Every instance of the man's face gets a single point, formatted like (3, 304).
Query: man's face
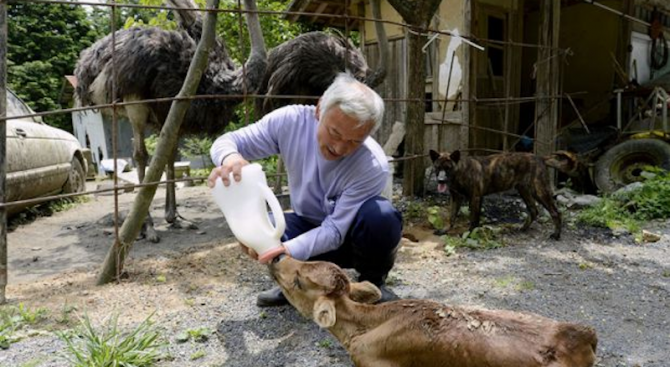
(338, 134)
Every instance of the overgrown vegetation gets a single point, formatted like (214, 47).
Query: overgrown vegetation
(109, 346)
(15, 322)
(628, 209)
(480, 238)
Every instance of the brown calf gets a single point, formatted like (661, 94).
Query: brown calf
(423, 333)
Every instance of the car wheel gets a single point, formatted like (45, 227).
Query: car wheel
(624, 163)
(76, 181)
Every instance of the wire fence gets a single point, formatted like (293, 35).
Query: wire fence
(507, 101)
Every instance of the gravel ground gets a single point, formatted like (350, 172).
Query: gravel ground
(200, 279)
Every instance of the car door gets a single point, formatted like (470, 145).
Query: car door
(35, 165)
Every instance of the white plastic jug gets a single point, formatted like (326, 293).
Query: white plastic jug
(243, 205)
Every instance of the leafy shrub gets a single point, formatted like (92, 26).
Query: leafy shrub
(629, 209)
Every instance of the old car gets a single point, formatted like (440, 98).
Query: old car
(41, 160)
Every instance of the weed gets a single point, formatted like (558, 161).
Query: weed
(666, 273)
(325, 343)
(14, 321)
(525, 286)
(111, 347)
(504, 282)
(414, 212)
(263, 315)
(199, 335)
(435, 217)
(198, 354)
(585, 266)
(481, 238)
(161, 278)
(632, 208)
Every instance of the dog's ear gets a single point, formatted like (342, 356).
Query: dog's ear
(364, 292)
(455, 156)
(324, 312)
(434, 155)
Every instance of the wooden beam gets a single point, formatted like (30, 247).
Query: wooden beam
(546, 106)
(319, 10)
(301, 9)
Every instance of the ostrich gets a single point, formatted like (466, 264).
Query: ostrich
(152, 63)
(308, 64)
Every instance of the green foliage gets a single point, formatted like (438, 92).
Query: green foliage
(89, 347)
(628, 210)
(325, 344)
(198, 354)
(435, 217)
(43, 45)
(15, 319)
(481, 238)
(151, 142)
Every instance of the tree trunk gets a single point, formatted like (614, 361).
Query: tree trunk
(113, 264)
(418, 14)
(414, 170)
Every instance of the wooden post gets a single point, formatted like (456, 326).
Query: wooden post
(547, 77)
(3, 149)
(467, 78)
(116, 255)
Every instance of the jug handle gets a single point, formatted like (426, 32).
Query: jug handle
(277, 212)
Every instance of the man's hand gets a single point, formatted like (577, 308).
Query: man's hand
(267, 257)
(233, 163)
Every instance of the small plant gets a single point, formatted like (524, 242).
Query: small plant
(505, 282)
(109, 346)
(263, 315)
(435, 217)
(199, 335)
(666, 273)
(525, 286)
(481, 238)
(14, 321)
(632, 208)
(585, 266)
(325, 343)
(161, 278)
(198, 354)
(414, 212)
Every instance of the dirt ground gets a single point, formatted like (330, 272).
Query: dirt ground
(198, 278)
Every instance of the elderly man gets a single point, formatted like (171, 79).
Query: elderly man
(336, 173)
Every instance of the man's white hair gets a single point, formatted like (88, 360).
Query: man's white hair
(354, 99)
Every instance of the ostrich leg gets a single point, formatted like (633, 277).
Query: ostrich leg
(171, 214)
(138, 114)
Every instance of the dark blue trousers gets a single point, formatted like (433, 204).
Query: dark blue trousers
(371, 244)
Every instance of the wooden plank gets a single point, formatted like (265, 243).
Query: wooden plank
(546, 108)
(464, 133)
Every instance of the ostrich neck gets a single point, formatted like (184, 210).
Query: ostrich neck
(255, 32)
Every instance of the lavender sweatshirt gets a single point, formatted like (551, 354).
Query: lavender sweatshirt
(325, 193)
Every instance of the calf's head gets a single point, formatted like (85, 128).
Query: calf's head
(444, 165)
(314, 288)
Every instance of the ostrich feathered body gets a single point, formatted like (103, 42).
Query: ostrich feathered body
(153, 63)
(306, 66)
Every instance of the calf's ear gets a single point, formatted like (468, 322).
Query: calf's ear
(324, 312)
(434, 155)
(364, 292)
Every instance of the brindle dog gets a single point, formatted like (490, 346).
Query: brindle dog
(473, 177)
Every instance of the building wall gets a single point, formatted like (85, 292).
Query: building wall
(450, 18)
